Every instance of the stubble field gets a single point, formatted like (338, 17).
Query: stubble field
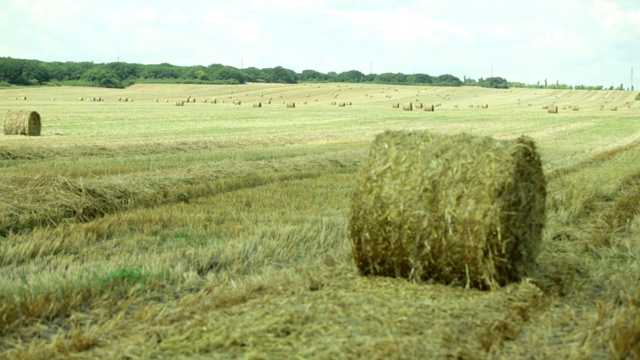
(146, 230)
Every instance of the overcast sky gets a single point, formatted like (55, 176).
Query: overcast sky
(590, 42)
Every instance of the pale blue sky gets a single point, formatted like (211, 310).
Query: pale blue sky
(591, 42)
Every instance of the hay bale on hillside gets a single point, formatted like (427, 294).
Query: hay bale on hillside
(575, 108)
(257, 104)
(552, 109)
(407, 106)
(395, 105)
(419, 105)
(453, 209)
(291, 104)
(180, 103)
(429, 108)
(342, 104)
(22, 122)
(614, 108)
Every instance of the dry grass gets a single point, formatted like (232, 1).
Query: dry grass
(146, 230)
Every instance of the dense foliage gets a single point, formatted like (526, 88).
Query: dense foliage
(121, 74)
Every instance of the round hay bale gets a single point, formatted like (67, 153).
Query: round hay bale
(257, 104)
(575, 108)
(179, 103)
(453, 209)
(552, 109)
(407, 106)
(342, 104)
(22, 122)
(395, 105)
(419, 105)
(333, 103)
(24, 98)
(429, 108)
(614, 108)
(80, 99)
(291, 104)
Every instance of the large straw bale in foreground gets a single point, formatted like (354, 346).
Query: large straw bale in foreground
(22, 122)
(454, 209)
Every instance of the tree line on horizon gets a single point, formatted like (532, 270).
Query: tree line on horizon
(121, 74)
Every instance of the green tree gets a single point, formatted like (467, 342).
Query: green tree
(103, 77)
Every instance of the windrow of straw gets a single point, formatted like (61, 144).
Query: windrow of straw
(453, 209)
(22, 122)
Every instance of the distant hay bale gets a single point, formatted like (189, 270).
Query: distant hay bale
(395, 105)
(342, 104)
(575, 108)
(119, 99)
(80, 99)
(291, 104)
(407, 106)
(419, 105)
(257, 104)
(180, 103)
(429, 108)
(484, 106)
(614, 108)
(22, 122)
(453, 209)
(333, 103)
(552, 109)
(24, 98)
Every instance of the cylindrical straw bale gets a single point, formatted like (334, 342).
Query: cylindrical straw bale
(407, 106)
(291, 104)
(575, 108)
(429, 108)
(22, 122)
(257, 104)
(453, 209)
(342, 104)
(419, 105)
(552, 109)
(614, 108)
(395, 105)
(180, 103)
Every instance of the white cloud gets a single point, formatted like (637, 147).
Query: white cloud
(176, 18)
(146, 15)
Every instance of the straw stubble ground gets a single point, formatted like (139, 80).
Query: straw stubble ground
(146, 230)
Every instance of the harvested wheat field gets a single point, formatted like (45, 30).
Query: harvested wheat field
(145, 230)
